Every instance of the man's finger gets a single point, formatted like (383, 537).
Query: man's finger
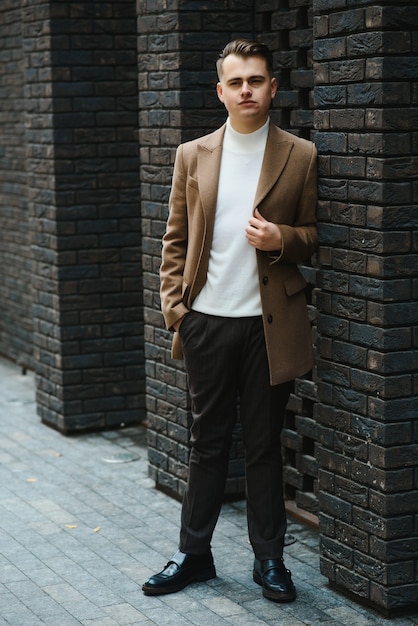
(258, 215)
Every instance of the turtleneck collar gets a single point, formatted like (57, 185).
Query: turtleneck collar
(245, 142)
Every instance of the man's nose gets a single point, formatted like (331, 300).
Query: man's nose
(245, 87)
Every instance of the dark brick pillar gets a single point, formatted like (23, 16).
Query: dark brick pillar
(367, 105)
(81, 83)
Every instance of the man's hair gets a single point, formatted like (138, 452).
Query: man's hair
(246, 48)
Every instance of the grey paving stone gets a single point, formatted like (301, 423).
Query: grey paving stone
(82, 610)
(124, 614)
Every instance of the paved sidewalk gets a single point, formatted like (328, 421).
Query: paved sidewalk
(82, 526)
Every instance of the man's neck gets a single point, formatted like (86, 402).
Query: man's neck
(246, 129)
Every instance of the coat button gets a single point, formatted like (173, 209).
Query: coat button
(270, 319)
(265, 280)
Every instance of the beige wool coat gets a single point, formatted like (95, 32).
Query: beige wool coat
(286, 195)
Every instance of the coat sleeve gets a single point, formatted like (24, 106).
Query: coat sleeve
(174, 247)
(300, 239)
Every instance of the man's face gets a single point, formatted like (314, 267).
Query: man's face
(246, 89)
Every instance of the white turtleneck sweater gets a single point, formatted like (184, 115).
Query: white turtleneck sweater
(232, 288)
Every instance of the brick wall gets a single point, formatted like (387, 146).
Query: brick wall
(366, 59)
(15, 238)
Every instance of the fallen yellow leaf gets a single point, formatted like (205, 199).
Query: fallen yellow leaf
(70, 525)
(96, 530)
(31, 480)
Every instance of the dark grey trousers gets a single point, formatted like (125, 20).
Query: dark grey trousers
(226, 361)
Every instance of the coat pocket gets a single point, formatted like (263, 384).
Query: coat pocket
(294, 284)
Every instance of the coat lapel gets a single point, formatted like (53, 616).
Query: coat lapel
(209, 152)
(278, 148)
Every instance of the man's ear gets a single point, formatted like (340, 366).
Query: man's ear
(274, 87)
(219, 91)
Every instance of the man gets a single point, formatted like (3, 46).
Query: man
(242, 215)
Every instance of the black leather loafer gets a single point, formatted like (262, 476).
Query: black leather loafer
(275, 579)
(179, 572)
